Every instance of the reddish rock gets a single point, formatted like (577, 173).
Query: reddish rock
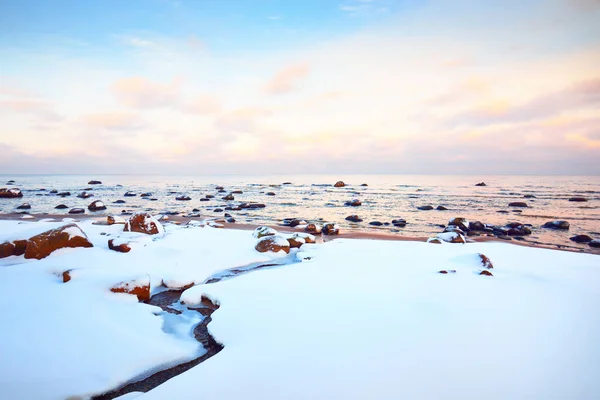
(452, 271)
(140, 289)
(143, 223)
(486, 273)
(485, 261)
(10, 193)
(20, 247)
(295, 243)
(460, 222)
(42, 245)
(313, 229)
(353, 203)
(339, 184)
(66, 276)
(272, 243)
(330, 229)
(121, 248)
(6, 249)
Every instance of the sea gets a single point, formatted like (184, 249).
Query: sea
(315, 199)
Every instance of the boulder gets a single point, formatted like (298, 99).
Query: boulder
(330, 229)
(272, 243)
(481, 184)
(451, 237)
(581, 239)
(425, 208)
(119, 202)
(143, 223)
(94, 183)
(96, 206)
(314, 229)
(444, 271)
(286, 183)
(339, 184)
(270, 193)
(485, 261)
(130, 194)
(364, 185)
(147, 194)
(263, 231)
(518, 204)
(117, 246)
(66, 275)
(111, 220)
(556, 225)
(61, 207)
(138, 287)
(354, 218)
(10, 193)
(399, 223)
(434, 241)
(42, 245)
(85, 195)
(476, 226)
(219, 188)
(237, 192)
(76, 211)
(529, 196)
(64, 194)
(594, 243)
(376, 223)
(460, 222)
(578, 199)
(229, 197)
(295, 242)
(24, 206)
(441, 208)
(485, 272)
(183, 198)
(295, 222)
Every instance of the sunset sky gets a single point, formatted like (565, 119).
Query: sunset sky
(311, 86)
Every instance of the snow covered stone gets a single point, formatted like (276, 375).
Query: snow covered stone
(111, 220)
(485, 261)
(96, 206)
(460, 222)
(262, 231)
(144, 223)
(119, 246)
(10, 193)
(451, 237)
(273, 243)
(139, 287)
(306, 237)
(313, 228)
(42, 245)
(331, 229)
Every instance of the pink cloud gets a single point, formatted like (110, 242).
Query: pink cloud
(285, 80)
(113, 120)
(139, 92)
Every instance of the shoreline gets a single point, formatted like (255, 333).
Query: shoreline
(354, 234)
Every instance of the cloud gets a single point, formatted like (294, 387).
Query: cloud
(113, 120)
(285, 80)
(204, 104)
(138, 92)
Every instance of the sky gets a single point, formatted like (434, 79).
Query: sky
(300, 87)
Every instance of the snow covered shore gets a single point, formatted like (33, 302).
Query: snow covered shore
(357, 319)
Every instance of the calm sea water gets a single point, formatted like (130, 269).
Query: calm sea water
(314, 198)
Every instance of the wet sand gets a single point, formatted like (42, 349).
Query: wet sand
(180, 220)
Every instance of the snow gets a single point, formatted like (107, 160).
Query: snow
(450, 236)
(373, 319)
(74, 232)
(356, 319)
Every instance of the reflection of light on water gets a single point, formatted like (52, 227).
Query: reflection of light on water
(313, 198)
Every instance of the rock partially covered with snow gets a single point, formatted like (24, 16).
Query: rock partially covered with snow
(485, 261)
(262, 231)
(315, 229)
(331, 229)
(460, 222)
(144, 223)
(297, 239)
(112, 219)
(42, 245)
(272, 243)
(119, 246)
(139, 287)
(10, 193)
(451, 237)
(96, 206)
(14, 248)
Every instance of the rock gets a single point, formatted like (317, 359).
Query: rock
(85, 195)
(451, 271)
(399, 223)
(53, 191)
(237, 192)
(94, 183)
(476, 226)
(218, 210)
(138, 287)
(485, 261)
(425, 208)
(307, 237)
(64, 194)
(10, 193)
(339, 184)
(364, 185)
(286, 183)
(204, 199)
(24, 206)
(517, 204)
(481, 184)
(353, 203)
(143, 223)
(556, 225)
(296, 222)
(66, 275)
(354, 218)
(434, 241)
(183, 198)
(230, 220)
(529, 196)
(118, 247)
(42, 245)
(229, 197)
(578, 199)
(451, 237)
(263, 231)
(330, 229)
(209, 196)
(594, 243)
(219, 188)
(147, 194)
(130, 194)
(581, 239)
(460, 222)
(96, 206)
(375, 223)
(314, 229)
(295, 243)
(61, 207)
(270, 194)
(76, 211)
(7, 249)
(221, 191)
(111, 220)
(441, 208)
(272, 243)
(485, 272)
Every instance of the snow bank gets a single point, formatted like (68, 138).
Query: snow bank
(375, 320)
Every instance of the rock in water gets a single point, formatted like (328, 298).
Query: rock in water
(94, 183)
(76, 211)
(96, 206)
(578, 199)
(581, 239)
(354, 218)
(24, 206)
(517, 204)
(481, 184)
(556, 225)
(10, 193)
(425, 208)
(339, 184)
